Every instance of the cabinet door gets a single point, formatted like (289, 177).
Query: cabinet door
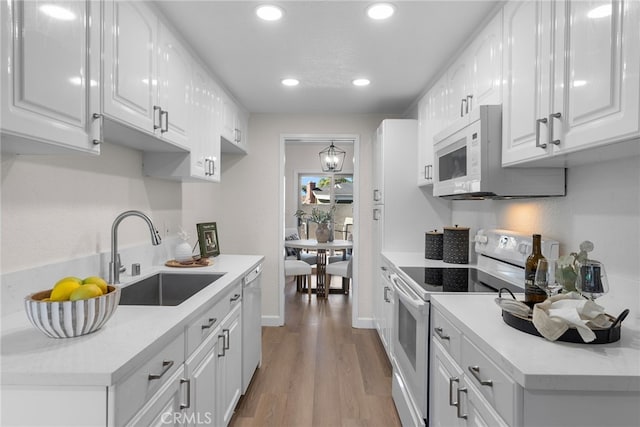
(203, 378)
(174, 78)
(486, 59)
(478, 411)
(526, 71)
(203, 139)
(130, 63)
(460, 91)
(230, 367)
(425, 143)
(597, 65)
(167, 406)
(378, 165)
(446, 380)
(228, 129)
(50, 82)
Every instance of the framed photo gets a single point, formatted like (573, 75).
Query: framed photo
(208, 239)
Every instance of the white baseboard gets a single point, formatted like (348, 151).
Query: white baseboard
(272, 321)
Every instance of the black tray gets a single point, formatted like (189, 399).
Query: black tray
(603, 335)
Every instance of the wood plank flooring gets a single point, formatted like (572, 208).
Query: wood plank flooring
(319, 371)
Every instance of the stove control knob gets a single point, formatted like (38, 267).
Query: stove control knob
(481, 238)
(523, 248)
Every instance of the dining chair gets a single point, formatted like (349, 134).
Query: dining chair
(340, 268)
(294, 267)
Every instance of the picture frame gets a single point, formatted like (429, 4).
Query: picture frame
(208, 239)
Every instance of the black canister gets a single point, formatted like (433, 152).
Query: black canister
(433, 245)
(455, 245)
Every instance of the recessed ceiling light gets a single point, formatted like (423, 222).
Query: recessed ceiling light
(600, 12)
(361, 82)
(290, 82)
(269, 12)
(380, 11)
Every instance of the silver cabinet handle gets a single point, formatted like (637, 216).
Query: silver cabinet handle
(469, 98)
(166, 365)
(212, 321)
(460, 390)
(463, 106)
(227, 339)
(165, 128)
(96, 142)
(542, 120)
(96, 116)
(376, 214)
(223, 346)
(551, 117)
(235, 298)
(439, 332)
(212, 163)
(376, 195)
(475, 371)
(386, 298)
(157, 126)
(188, 382)
(451, 381)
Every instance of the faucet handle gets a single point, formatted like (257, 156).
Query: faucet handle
(121, 267)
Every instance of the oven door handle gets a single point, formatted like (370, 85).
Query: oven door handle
(405, 294)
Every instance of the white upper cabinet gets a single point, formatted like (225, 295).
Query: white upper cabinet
(147, 81)
(50, 77)
(234, 126)
(425, 143)
(130, 63)
(572, 79)
(174, 80)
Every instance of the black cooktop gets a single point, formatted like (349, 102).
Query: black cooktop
(456, 279)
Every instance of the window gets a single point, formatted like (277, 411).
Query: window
(325, 189)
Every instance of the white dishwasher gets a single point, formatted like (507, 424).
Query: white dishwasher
(251, 324)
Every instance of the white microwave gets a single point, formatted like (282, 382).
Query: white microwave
(468, 163)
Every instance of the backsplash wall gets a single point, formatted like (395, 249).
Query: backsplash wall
(602, 205)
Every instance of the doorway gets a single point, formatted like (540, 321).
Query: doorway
(304, 186)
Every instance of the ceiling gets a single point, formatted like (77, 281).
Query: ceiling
(326, 44)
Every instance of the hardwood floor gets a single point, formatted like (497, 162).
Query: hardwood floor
(319, 371)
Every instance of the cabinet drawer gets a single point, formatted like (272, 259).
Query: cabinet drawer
(144, 382)
(199, 329)
(502, 393)
(447, 335)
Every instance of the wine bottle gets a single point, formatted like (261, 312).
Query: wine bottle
(532, 293)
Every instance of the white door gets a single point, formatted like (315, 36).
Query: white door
(174, 78)
(527, 73)
(203, 379)
(597, 83)
(130, 62)
(50, 85)
(446, 379)
(458, 82)
(425, 142)
(486, 60)
(228, 119)
(230, 367)
(378, 165)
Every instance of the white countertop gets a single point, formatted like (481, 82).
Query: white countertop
(133, 334)
(536, 363)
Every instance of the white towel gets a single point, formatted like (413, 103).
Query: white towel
(555, 315)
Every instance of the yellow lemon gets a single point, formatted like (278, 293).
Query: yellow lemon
(85, 292)
(65, 279)
(62, 290)
(98, 281)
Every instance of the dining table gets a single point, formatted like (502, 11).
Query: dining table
(321, 248)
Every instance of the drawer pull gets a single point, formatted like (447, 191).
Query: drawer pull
(475, 371)
(538, 121)
(227, 339)
(224, 352)
(166, 365)
(451, 381)
(212, 321)
(440, 333)
(460, 390)
(235, 297)
(188, 404)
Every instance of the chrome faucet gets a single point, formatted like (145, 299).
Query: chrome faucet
(114, 265)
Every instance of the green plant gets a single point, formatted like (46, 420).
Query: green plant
(317, 215)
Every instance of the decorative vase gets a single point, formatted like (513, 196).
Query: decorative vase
(322, 233)
(183, 252)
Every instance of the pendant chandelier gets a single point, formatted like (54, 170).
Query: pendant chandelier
(332, 158)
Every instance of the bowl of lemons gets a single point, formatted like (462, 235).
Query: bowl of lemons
(73, 307)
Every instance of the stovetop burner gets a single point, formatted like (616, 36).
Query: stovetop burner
(456, 279)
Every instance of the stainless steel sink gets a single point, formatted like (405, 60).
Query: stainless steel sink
(169, 289)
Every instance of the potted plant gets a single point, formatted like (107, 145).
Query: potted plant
(321, 217)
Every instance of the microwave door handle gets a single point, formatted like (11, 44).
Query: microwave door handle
(542, 120)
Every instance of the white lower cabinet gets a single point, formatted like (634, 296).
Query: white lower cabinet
(229, 382)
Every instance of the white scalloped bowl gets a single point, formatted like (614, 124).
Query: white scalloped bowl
(68, 319)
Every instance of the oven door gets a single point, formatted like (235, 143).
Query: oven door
(457, 162)
(410, 349)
